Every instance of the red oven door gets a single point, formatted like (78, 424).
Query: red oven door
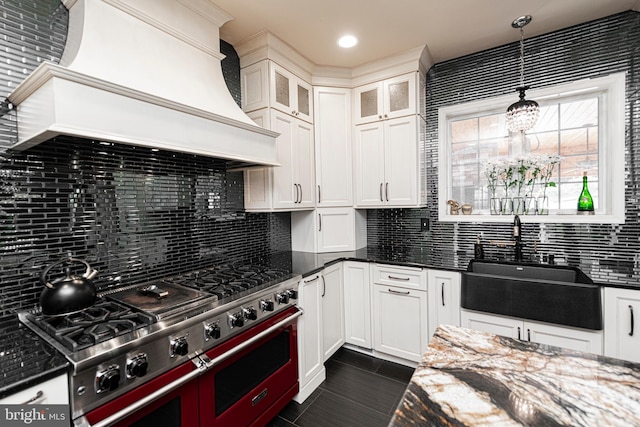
(177, 408)
(253, 376)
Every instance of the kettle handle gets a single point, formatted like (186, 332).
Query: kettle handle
(90, 273)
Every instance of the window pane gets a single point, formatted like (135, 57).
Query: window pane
(464, 130)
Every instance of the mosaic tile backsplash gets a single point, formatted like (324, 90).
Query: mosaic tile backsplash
(608, 253)
(133, 213)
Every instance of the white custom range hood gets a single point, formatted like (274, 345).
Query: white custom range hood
(141, 72)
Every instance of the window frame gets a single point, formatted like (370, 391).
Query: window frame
(611, 172)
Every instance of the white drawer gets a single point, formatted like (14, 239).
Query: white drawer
(404, 277)
(53, 391)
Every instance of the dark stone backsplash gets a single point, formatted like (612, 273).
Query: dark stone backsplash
(132, 212)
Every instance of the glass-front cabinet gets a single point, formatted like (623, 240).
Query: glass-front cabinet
(387, 99)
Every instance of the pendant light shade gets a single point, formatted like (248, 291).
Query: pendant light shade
(522, 115)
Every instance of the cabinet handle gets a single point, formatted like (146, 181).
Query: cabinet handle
(381, 199)
(398, 278)
(398, 292)
(37, 396)
(386, 116)
(324, 287)
(518, 332)
(319, 194)
(631, 313)
(311, 280)
(300, 186)
(295, 188)
(319, 222)
(386, 191)
(442, 292)
(528, 334)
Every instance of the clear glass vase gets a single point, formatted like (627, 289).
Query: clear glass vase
(542, 205)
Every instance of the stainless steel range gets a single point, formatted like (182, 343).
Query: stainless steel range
(164, 332)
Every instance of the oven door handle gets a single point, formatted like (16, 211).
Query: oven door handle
(212, 362)
(203, 364)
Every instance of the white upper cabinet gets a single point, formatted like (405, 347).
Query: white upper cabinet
(266, 84)
(290, 186)
(334, 170)
(387, 165)
(387, 99)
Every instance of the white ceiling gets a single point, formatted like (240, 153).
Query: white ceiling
(449, 28)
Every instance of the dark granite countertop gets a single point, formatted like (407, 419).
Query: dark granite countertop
(25, 359)
(471, 378)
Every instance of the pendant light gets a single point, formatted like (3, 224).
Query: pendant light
(522, 115)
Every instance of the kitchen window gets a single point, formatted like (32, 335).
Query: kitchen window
(580, 129)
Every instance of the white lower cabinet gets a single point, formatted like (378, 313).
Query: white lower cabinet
(400, 324)
(332, 310)
(444, 298)
(357, 304)
(544, 333)
(621, 327)
(54, 391)
(311, 371)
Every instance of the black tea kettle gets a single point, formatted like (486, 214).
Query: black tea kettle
(64, 295)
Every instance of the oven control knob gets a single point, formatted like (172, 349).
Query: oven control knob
(266, 305)
(212, 331)
(137, 366)
(236, 319)
(179, 346)
(293, 294)
(108, 379)
(250, 313)
(282, 298)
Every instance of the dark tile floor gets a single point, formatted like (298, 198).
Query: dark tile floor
(359, 391)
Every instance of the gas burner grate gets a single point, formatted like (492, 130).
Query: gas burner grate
(101, 322)
(230, 279)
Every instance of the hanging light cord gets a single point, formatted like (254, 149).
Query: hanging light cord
(521, 56)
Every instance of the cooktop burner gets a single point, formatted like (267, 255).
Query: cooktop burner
(100, 322)
(228, 280)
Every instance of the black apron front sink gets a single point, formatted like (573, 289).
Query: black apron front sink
(547, 293)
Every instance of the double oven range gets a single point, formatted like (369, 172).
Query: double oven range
(211, 347)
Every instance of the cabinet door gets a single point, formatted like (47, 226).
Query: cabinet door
(254, 81)
(369, 164)
(336, 229)
(401, 162)
(400, 322)
(368, 103)
(400, 96)
(310, 356)
(332, 310)
(304, 165)
(285, 193)
(357, 304)
(621, 324)
(290, 94)
(498, 325)
(444, 299)
(563, 336)
(334, 170)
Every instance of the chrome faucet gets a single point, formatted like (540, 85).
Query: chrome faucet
(517, 236)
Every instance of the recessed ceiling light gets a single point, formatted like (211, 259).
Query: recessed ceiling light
(347, 41)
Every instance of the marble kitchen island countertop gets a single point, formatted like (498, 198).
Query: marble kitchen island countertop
(472, 378)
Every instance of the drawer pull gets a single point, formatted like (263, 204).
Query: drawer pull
(38, 395)
(399, 292)
(442, 291)
(632, 322)
(398, 278)
(518, 332)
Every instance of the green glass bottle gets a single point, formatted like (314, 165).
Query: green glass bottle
(585, 202)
